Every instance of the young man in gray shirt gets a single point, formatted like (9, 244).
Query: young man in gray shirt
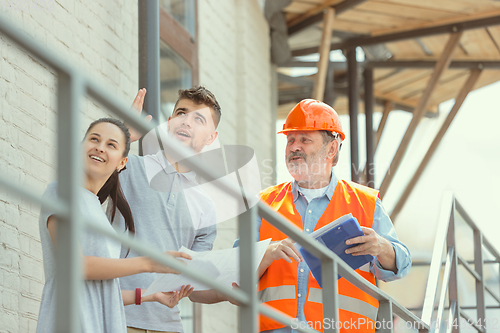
(170, 209)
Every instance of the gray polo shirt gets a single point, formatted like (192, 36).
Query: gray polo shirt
(170, 210)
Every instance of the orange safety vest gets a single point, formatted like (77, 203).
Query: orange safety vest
(278, 285)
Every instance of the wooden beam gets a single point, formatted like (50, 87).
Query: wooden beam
(305, 91)
(315, 11)
(295, 80)
(324, 55)
(387, 108)
(464, 92)
(402, 64)
(296, 63)
(441, 66)
(467, 24)
(314, 15)
(406, 64)
(430, 24)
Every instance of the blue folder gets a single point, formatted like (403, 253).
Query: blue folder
(333, 236)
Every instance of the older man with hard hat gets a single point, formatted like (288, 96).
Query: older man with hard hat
(315, 198)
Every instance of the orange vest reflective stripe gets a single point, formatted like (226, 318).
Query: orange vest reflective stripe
(278, 285)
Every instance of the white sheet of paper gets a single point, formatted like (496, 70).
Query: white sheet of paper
(220, 265)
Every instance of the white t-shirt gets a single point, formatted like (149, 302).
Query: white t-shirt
(101, 304)
(311, 193)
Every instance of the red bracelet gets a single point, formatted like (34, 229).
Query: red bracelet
(138, 296)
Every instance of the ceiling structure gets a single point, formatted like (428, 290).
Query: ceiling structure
(402, 40)
(417, 54)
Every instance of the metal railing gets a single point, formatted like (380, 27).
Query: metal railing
(446, 238)
(73, 85)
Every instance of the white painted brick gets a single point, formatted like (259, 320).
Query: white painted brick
(31, 144)
(10, 300)
(24, 285)
(43, 18)
(33, 107)
(24, 323)
(30, 268)
(24, 82)
(11, 280)
(5, 256)
(47, 134)
(10, 215)
(36, 287)
(32, 325)
(9, 321)
(28, 224)
(9, 236)
(34, 184)
(24, 243)
(29, 305)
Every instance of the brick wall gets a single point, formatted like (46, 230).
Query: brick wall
(100, 38)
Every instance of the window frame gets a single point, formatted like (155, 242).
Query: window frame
(180, 40)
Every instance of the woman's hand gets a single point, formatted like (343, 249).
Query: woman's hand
(156, 267)
(172, 298)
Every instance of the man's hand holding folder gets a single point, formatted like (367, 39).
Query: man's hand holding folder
(370, 244)
(374, 244)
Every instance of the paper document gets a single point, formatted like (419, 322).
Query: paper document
(221, 266)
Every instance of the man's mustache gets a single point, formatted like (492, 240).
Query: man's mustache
(296, 154)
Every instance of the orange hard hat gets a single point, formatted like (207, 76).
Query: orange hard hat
(313, 115)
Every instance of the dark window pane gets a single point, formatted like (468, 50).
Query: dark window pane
(182, 11)
(175, 74)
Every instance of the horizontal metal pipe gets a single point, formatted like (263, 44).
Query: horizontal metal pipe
(321, 252)
(492, 294)
(488, 307)
(490, 248)
(460, 209)
(41, 52)
(176, 150)
(471, 321)
(465, 216)
(284, 319)
(471, 270)
(56, 206)
(408, 316)
(168, 260)
(427, 263)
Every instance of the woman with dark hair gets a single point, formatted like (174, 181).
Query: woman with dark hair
(105, 147)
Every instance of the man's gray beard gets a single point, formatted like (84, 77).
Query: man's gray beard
(308, 169)
(312, 166)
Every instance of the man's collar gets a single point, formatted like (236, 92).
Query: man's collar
(169, 168)
(329, 191)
